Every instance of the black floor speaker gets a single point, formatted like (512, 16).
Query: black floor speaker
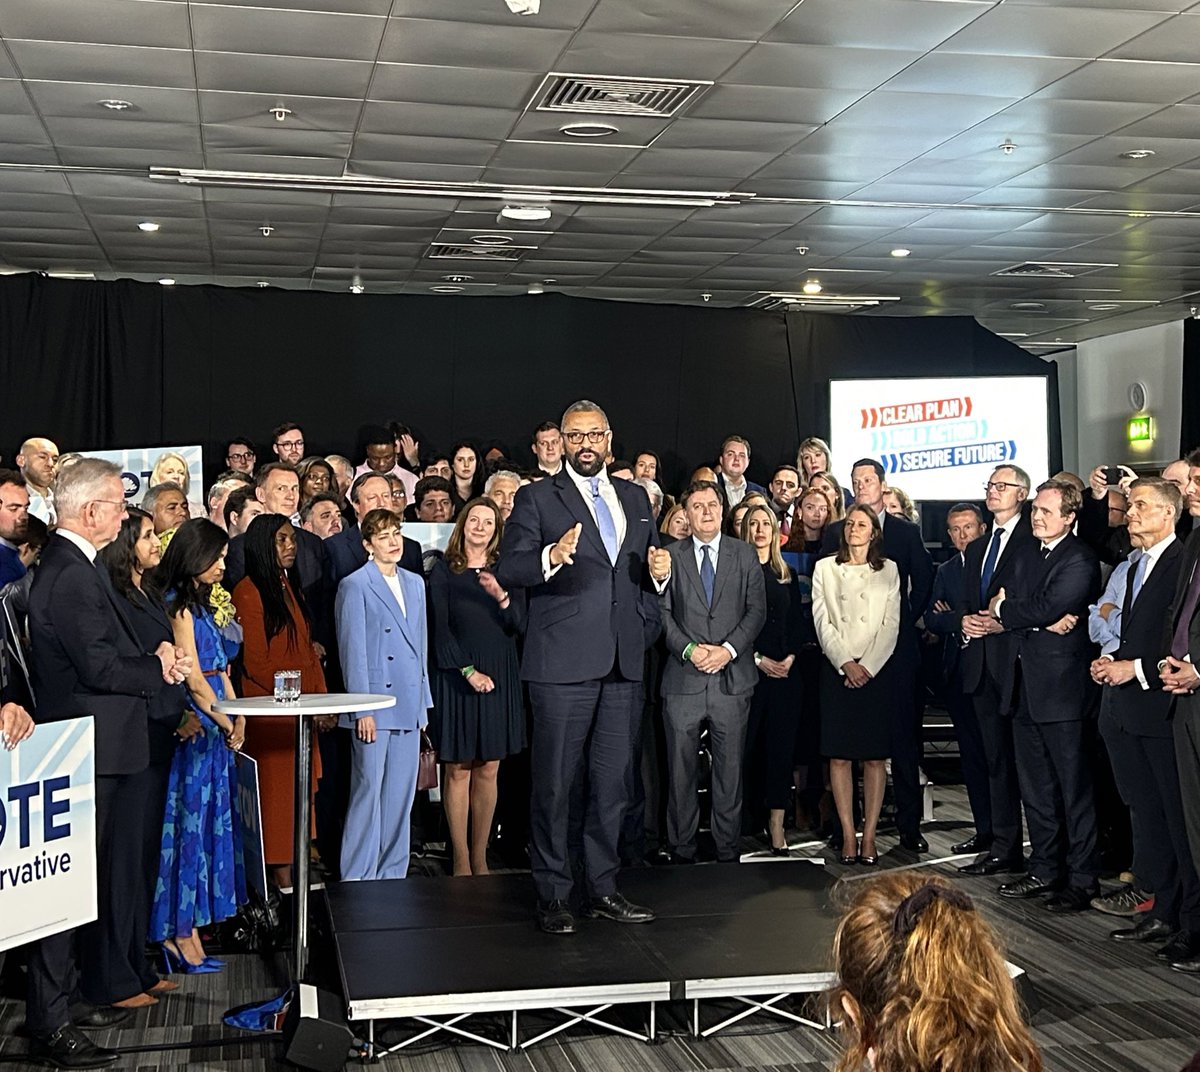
(315, 1032)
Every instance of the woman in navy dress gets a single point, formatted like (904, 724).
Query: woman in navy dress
(478, 714)
(201, 880)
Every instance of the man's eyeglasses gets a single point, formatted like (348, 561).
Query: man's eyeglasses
(110, 502)
(1000, 486)
(297, 444)
(241, 456)
(595, 438)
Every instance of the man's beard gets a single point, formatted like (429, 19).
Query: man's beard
(590, 468)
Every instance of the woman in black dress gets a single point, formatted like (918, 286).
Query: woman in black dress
(478, 715)
(775, 706)
(135, 552)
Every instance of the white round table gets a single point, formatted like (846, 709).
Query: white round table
(325, 703)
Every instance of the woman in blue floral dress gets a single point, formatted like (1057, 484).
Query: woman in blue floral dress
(200, 878)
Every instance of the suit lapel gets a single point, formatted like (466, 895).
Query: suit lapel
(106, 586)
(1155, 580)
(688, 567)
(569, 494)
(380, 587)
(724, 568)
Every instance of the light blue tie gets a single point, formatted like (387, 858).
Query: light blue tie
(1137, 576)
(604, 519)
(707, 574)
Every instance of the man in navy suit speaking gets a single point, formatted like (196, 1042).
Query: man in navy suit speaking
(577, 542)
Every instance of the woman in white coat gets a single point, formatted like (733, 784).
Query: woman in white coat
(384, 647)
(856, 611)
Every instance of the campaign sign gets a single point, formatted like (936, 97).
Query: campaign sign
(250, 813)
(940, 438)
(47, 833)
(137, 463)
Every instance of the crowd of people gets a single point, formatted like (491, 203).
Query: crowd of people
(582, 613)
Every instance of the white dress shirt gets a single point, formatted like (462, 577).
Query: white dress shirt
(1150, 559)
(714, 547)
(84, 545)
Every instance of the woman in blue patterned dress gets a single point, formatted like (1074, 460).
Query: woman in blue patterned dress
(200, 878)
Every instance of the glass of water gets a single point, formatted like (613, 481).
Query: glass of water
(287, 686)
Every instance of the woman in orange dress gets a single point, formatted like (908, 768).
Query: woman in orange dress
(277, 632)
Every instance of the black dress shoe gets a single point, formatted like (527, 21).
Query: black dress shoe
(993, 865)
(555, 917)
(85, 1015)
(1188, 967)
(1184, 946)
(1147, 931)
(1072, 899)
(69, 1047)
(975, 843)
(1029, 886)
(676, 859)
(618, 909)
(914, 843)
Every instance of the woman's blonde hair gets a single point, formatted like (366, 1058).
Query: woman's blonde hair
(456, 546)
(664, 523)
(775, 558)
(156, 476)
(923, 983)
(907, 508)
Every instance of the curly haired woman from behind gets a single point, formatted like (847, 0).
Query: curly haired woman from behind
(923, 984)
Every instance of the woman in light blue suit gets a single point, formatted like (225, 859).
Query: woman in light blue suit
(382, 640)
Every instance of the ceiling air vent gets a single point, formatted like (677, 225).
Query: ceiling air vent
(1052, 269)
(780, 301)
(601, 94)
(453, 251)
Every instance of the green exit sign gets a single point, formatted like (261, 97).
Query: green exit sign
(1139, 430)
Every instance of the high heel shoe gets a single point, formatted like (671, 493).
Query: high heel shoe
(174, 961)
(780, 850)
(868, 861)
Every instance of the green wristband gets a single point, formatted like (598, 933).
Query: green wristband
(687, 652)
(467, 671)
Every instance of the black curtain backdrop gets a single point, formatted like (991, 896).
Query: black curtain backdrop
(101, 365)
(1189, 438)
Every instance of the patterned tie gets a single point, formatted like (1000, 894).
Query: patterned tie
(1179, 642)
(604, 519)
(785, 527)
(989, 565)
(707, 574)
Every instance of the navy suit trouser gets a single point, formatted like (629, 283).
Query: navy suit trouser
(584, 727)
(972, 756)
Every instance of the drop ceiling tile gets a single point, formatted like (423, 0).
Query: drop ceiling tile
(78, 101)
(165, 138)
(1175, 121)
(387, 147)
(698, 18)
(1011, 30)
(1171, 41)
(636, 130)
(874, 23)
(600, 160)
(349, 7)
(644, 55)
(138, 187)
(561, 15)
(1010, 77)
(1126, 81)
(772, 104)
(389, 169)
(262, 31)
(818, 67)
(437, 120)
(277, 141)
(100, 156)
(446, 43)
(238, 72)
(22, 128)
(918, 111)
(714, 162)
(728, 134)
(254, 109)
(300, 165)
(71, 62)
(1058, 116)
(111, 22)
(1107, 151)
(455, 86)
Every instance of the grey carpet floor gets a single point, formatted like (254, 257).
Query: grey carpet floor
(1104, 1007)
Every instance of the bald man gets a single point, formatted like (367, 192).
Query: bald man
(38, 461)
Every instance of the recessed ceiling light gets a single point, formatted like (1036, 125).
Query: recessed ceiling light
(588, 130)
(490, 240)
(549, 281)
(812, 287)
(1007, 146)
(114, 105)
(280, 112)
(1139, 215)
(1013, 334)
(458, 278)
(1028, 306)
(802, 250)
(167, 281)
(526, 213)
(535, 288)
(262, 283)
(148, 226)
(442, 289)
(1104, 307)
(901, 252)
(1137, 154)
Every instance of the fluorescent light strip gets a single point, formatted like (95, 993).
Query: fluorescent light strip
(459, 191)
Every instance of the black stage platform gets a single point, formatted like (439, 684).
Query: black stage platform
(438, 951)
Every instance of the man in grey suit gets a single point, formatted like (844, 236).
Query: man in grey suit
(714, 605)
